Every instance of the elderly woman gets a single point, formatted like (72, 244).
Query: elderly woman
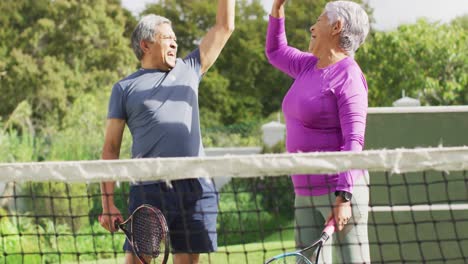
(325, 110)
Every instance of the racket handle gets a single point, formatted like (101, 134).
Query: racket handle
(117, 224)
(330, 227)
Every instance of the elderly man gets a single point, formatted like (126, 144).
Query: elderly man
(159, 104)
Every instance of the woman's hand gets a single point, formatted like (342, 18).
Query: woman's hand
(277, 10)
(341, 212)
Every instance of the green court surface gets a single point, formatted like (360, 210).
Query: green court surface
(426, 236)
(390, 243)
(248, 253)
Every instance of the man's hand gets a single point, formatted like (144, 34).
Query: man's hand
(279, 2)
(341, 212)
(109, 216)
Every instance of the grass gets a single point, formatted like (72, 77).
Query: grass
(248, 253)
(439, 232)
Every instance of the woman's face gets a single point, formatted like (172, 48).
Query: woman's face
(320, 34)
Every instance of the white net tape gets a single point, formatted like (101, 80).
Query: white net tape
(395, 161)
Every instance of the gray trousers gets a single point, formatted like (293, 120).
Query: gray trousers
(350, 245)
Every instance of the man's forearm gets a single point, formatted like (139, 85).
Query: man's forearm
(225, 16)
(107, 194)
(107, 188)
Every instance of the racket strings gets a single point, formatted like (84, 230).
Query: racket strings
(293, 259)
(149, 232)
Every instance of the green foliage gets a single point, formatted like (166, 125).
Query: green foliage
(219, 139)
(60, 201)
(57, 50)
(241, 134)
(190, 19)
(302, 14)
(252, 209)
(243, 62)
(16, 146)
(214, 99)
(279, 147)
(24, 241)
(84, 124)
(461, 21)
(231, 90)
(427, 60)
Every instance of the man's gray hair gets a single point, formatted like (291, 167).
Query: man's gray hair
(355, 23)
(146, 30)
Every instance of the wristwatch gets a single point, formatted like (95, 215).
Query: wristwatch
(345, 195)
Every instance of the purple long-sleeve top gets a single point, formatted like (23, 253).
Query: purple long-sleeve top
(325, 109)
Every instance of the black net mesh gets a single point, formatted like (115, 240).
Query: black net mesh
(416, 217)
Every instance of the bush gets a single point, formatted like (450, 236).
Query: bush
(23, 241)
(253, 208)
(243, 217)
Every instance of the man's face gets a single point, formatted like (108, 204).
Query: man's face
(163, 50)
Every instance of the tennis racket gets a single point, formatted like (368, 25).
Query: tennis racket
(146, 230)
(297, 257)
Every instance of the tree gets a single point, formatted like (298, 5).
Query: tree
(56, 51)
(242, 87)
(302, 14)
(427, 60)
(461, 21)
(228, 93)
(58, 60)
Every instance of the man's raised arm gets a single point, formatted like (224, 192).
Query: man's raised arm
(215, 39)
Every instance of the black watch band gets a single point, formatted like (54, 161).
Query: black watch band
(347, 196)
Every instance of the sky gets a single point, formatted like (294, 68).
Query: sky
(388, 14)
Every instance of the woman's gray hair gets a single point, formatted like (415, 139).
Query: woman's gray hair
(355, 23)
(146, 30)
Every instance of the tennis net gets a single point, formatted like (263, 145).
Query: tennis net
(418, 209)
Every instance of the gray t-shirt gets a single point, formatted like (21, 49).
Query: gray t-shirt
(161, 109)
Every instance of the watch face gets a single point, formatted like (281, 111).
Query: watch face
(347, 196)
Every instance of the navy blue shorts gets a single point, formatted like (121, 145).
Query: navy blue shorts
(190, 207)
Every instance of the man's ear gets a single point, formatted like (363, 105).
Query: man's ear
(144, 46)
(337, 27)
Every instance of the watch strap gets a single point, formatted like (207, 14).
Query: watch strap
(347, 196)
